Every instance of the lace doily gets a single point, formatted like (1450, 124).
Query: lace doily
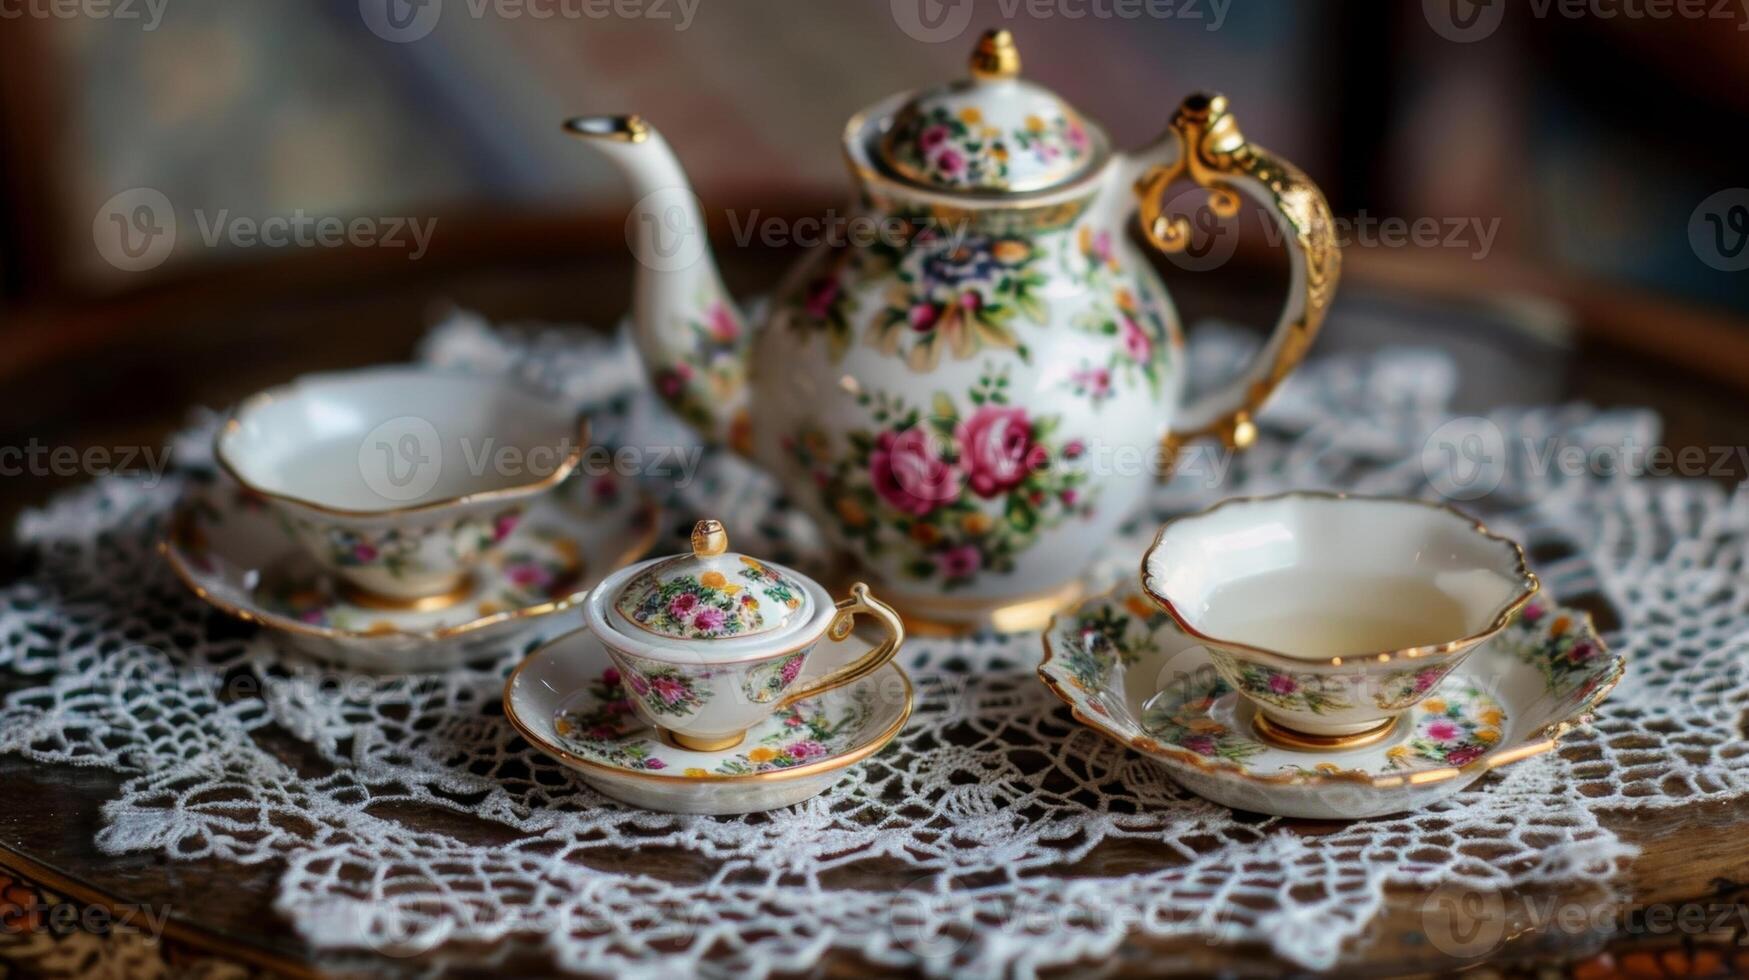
(974, 823)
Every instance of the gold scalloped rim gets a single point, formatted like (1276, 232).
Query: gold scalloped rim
(1501, 619)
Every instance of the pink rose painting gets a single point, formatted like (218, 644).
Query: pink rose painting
(709, 620)
(998, 449)
(1442, 731)
(1135, 341)
(723, 326)
(961, 562)
(821, 294)
(909, 474)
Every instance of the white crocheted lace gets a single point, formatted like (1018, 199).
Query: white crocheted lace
(964, 848)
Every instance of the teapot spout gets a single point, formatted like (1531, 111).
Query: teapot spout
(693, 340)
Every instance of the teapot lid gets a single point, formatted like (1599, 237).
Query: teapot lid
(991, 133)
(712, 593)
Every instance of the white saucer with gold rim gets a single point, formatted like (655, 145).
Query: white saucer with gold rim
(1130, 673)
(231, 548)
(571, 702)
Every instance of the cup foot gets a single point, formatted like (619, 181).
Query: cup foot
(1280, 735)
(694, 744)
(360, 596)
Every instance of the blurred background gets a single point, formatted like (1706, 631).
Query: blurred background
(1573, 170)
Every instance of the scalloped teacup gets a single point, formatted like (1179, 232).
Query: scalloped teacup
(399, 480)
(1335, 614)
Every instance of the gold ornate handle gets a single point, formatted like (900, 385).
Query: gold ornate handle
(859, 601)
(1213, 154)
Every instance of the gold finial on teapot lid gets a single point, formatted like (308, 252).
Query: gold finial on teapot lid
(709, 539)
(996, 56)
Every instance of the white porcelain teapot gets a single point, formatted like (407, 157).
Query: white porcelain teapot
(968, 395)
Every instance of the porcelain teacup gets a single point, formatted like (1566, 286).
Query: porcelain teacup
(399, 480)
(711, 643)
(1334, 614)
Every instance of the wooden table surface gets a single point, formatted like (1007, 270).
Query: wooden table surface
(208, 344)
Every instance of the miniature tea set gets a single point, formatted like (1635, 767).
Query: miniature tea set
(927, 401)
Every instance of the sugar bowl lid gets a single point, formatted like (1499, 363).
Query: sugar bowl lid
(711, 593)
(991, 133)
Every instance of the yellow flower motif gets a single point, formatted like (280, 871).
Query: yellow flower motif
(1139, 606)
(851, 512)
(1010, 251)
(925, 534)
(971, 116)
(567, 549)
(713, 580)
(752, 563)
(490, 608)
(1434, 706)
(975, 523)
(731, 589)
(1488, 736)
(1559, 626)
(562, 726)
(793, 601)
(1126, 300)
(1398, 752)
(1034, 124)
(1492, 716)
(694, 772)
(764, 753)
(741, 432)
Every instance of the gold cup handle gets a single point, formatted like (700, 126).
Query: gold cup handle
(859, 601)
(1212, 153)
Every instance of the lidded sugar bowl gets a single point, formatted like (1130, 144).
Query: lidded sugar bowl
(708, 643)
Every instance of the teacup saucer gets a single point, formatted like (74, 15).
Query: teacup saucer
(229, 548)
(1129, 673)
(568, 701)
